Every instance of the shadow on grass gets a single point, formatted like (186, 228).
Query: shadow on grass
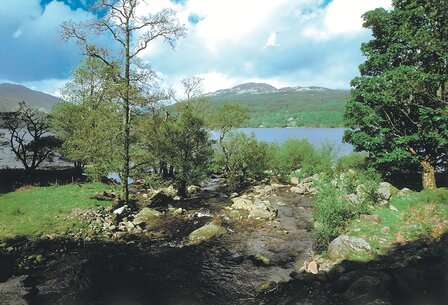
(411, 274)
(12, 179)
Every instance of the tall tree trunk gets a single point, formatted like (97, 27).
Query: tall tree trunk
(428, 175)
(127, 110)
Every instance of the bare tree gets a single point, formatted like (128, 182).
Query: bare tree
(28, 136)
(192, 86)
(132, 34)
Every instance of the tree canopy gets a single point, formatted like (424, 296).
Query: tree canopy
(398, 111)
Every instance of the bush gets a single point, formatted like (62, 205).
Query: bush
(300, 154)
(340, 199)
(355, 161)
(244, 157)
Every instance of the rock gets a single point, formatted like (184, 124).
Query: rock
(204, 233)
(261, 259)
(393, 208)
(120, 211)
(174, 211)
(14, 292)
(344, 245)
(145, 215)
(160, 199)
(294, 180)
(384, 190)
(353, 198)
(259, 213)
(104, 196)
(404, 192)
(193, 189)
(298, 189)
(373, 218)
(313, 267)
(240, 203)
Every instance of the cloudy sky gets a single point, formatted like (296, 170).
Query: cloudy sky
(229, 42)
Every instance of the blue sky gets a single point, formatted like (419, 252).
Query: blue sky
(281, 42)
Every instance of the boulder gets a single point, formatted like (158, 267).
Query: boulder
(353, 198)
(160, 200)
(240, 203)
(344, 245)
(119, 211)
(372, 218)
(261, 259)
(385, 190)
(204, 233)
(146, 215)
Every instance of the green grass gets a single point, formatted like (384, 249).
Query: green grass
(421, 215)
(35, 211)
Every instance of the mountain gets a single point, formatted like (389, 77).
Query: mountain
(11, 95)
(299, 106)
(260, 88)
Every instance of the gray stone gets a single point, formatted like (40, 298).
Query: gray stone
(204, 233)
(384, 191)
(193, 189)
(294, 180)
(119, 211)
(404, 192)
(344, 245)
(145, 215)
(240, 203)
(259, 213)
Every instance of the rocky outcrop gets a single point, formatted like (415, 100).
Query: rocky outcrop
(146, 215)
(344, 245)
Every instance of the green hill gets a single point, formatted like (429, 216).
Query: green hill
(286, 107)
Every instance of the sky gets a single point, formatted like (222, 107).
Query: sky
(228, 42)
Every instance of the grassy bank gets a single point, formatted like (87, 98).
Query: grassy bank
(33, 211)
(417, 216)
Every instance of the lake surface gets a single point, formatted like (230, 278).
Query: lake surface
(316, 136)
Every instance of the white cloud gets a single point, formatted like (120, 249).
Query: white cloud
(342, 18)
(17, 34)
(272, 41)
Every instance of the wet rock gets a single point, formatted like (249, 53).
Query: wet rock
(13, 291)
(297, 189)
(146, 215)
(240, 203)
(344, 245)
(260, 213)
(204, 233)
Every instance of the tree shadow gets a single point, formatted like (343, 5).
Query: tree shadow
(12, 179)
(412, 274)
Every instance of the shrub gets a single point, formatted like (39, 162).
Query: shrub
(244, 157)
(289, 156)
(355, 161)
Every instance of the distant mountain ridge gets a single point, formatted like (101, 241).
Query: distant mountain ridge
(261, 88)
(11, 95)
(307, 106)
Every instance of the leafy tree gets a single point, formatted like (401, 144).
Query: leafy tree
(28, 136)
(245, 157)
(187, 147)
(398, 111)
(224, 119)
(89, 122)
(132, 34)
